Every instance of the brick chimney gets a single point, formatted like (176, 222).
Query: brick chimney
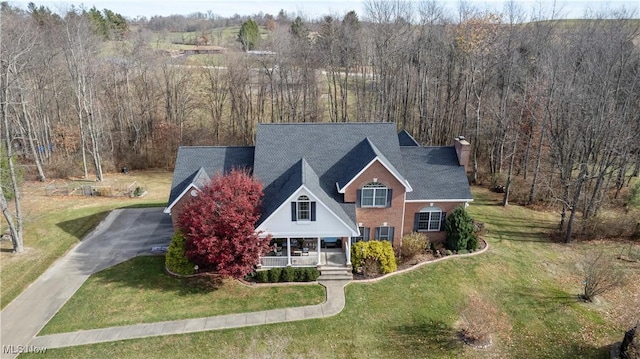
(463, 151)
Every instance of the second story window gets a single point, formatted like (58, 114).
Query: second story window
(304, 208)
(375, 194)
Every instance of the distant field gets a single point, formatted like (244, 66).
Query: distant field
(225, 37)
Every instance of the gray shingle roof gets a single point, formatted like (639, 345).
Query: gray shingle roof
(434, 173)
(319, 155)
(405, 139)
(301, 173)
(192, 163)
(335, 151)
(362, 155)
(330, 148)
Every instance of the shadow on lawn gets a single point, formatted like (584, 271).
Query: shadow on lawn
(148, 273)
(544, 298)
(418, 339)
(521, 230)
(506, 235)
(582, 350)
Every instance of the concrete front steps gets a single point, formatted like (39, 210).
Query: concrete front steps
(335, 273)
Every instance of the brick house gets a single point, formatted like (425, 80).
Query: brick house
(331, 184)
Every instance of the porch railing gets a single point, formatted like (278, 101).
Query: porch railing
(269, 262)
(297, 261)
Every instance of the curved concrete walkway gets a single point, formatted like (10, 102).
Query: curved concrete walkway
(124, 234)
(332, 306)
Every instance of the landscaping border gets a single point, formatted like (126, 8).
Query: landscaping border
(374, 280)
(366, 281)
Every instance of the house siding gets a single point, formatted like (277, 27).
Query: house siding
(375, 217)
(411, 208)
(177, 209)
(280, 223)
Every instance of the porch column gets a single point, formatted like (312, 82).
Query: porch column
(348, 252)
(288, 252)
(319, 254)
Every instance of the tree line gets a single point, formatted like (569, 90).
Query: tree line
(550, 107)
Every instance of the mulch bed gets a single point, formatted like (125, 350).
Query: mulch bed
(428, 256)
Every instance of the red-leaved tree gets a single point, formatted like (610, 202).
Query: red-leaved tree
(219, 225)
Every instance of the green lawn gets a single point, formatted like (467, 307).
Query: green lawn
(54, 224)
(140, 291)
(532, 282)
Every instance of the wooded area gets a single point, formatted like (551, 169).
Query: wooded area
(551, 107)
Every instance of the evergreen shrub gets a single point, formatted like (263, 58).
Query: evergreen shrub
(175, 259)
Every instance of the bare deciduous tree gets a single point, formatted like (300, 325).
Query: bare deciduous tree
(600, 275)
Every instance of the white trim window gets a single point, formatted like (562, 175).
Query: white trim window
(304, 208)
(374, 194)
(429, 219)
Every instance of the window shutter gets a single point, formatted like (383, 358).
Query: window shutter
(313, 211)
(443, 220)
(391, 230)
(358, 198)
(389, 194)
(377, 233)
(294, 212)
(416, 220)
(366, 234)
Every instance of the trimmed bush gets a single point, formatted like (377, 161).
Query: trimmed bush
(175, 260)
(311, 274)
(459, 228)
(382, 251)
(472, 244)
(288, 274)
(262, 276)
(412, 245)
(275, 274)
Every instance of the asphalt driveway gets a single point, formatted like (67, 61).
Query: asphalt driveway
(124, 234)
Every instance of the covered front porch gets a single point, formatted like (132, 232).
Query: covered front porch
(307, 252)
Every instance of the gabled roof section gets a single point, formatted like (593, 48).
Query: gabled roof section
(197, 180)
(406, 140)
(301, 174)
(364, 154)
(195, 165)
(200, 179)
(435, 174)
(325, 147)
